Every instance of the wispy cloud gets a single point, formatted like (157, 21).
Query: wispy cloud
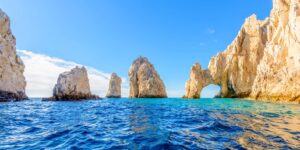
(41, 73)
(210, 31)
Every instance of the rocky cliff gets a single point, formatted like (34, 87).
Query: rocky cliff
(12, 80)
(145, 81)
(114, 90)
(73, 85)
(263, 62)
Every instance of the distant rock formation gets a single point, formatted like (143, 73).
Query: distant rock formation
(12, 80)
(145, 81)
(263, 62)
(114, 90)
(73, 85)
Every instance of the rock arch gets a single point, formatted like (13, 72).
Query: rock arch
(199, 79)
(261, 63)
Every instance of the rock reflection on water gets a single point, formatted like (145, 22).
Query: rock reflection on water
(149, 124)
(280, 132)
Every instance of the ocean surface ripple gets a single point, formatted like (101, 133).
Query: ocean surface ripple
(149, 124)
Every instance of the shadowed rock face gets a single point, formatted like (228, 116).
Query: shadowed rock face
(12, 80)
(145, 81)
(114, 90)
(263, 62)
(73, 85)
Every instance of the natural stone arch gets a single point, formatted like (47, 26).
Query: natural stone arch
(200, 79)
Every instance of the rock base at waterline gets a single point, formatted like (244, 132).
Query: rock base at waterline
(72, 98)
(9, 96)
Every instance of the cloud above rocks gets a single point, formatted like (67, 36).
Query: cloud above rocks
(41, 73)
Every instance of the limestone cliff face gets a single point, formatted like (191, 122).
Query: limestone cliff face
(114, 90)
(145, 81)
(235, 69)
(12, 80)
(263, 62)
(73, 85)
(278, 76)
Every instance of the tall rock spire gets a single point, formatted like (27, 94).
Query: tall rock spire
(145, 82)
(12, 80)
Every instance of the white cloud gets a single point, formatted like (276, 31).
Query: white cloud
(210, 31)
(41, 73)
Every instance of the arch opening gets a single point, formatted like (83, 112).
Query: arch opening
(210, 91)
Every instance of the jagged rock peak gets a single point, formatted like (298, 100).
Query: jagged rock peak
(12, 80)
(145, 82)
(263, 62)
(114, 90)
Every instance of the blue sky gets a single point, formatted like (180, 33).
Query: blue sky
(109, 34)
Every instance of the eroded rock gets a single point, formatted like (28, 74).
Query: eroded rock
(73, 85)
(263, 62)
(114, 90)
(278, 74)
(198, 80)
(145, 82)
(12, 80)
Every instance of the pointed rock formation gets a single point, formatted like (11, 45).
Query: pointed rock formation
(198, 80)
(145, 81)
(235, 69)
(114, 90)
(73, 85)
(12, 80)
(263, 62)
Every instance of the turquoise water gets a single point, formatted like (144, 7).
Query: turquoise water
(149, 124)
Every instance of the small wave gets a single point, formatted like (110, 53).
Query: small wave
(52, 136)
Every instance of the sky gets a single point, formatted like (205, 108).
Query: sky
(107, 35)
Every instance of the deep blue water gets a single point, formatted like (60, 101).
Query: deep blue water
(149, 124)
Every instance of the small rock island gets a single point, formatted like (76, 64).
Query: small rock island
(73, 85)
(12, 80)
(114, 90)
(145, 82)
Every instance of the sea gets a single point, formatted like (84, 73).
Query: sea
(171, 123)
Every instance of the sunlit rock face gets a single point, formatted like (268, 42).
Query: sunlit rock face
(263, 62)
(278, 76)
(235, 68)
(12, 80)
(145, 82)
(198, 80)
(114, 90)
(73, 85)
